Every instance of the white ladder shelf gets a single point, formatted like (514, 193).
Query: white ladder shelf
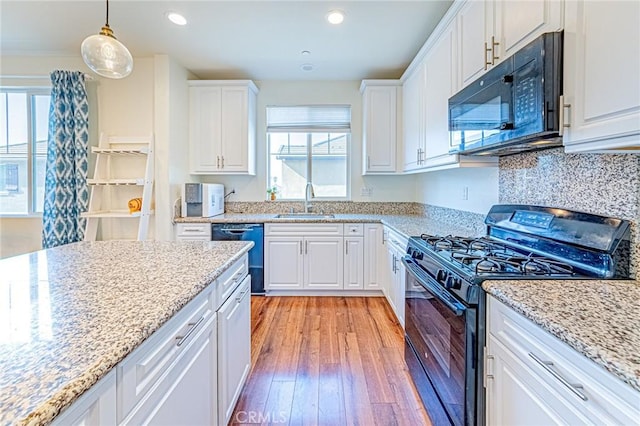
(110, 148)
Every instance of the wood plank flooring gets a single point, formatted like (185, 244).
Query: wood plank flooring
(327, 361)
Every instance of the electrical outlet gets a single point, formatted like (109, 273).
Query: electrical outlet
(366, 191)
(465, 193)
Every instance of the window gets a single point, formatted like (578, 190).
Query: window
(309, 144)
(24, 119)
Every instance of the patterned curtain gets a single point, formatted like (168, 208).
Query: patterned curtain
(66, 194)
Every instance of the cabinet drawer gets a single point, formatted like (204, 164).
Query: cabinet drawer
(303, 229)
(354, 229)
(138, 372)
(230, 279)
(605, 398)
(199, 231)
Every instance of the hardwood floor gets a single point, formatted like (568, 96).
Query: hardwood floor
(327, 361)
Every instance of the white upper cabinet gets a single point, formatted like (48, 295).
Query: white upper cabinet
(222, 126)
(413, 118)
(601, 84)
(380, 112)
(517, 23)
(440, 85)
(427, 87)
(475, 28)
(490, 31)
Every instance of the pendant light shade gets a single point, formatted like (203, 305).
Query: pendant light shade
(105, 55)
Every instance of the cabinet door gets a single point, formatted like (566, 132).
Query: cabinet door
(518, 23)
(601, 84)
(475, 28)
(413, 91)
(373, 255)
(97, 406)
(234, 349)
(354, 263)
(205, 114)
(391, 268)
(187, 393)
(440, 72)
(515, 395)
(235, 138)
(380, 127)
(283, 269)
(323, 263)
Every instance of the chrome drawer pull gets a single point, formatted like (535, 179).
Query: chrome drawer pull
(194, 325)
(572, 387)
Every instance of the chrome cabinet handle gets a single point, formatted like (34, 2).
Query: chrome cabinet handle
(223, 161)
(241, 296)
(368, 162)
(300, 247)
(194, 325)
(572, 387)
(306, 247)
(561, 123)
(218, 161)
(346, 247)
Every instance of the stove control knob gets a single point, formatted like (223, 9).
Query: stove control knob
(441, 276)
(453, 282)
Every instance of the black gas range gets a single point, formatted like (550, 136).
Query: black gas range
(445, 302)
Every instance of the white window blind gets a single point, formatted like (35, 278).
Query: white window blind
(309, 118)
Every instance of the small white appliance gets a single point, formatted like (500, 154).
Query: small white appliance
(202, 199)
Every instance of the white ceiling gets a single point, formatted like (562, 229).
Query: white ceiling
(259, 40)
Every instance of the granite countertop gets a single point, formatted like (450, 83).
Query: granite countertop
(68, 315)
(409, 225)
(599, 318)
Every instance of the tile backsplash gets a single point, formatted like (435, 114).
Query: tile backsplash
(333, 207)
(604, 184)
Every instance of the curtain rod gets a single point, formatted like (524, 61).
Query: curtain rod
(87, 77)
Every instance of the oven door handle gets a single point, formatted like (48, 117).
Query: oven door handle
(425, 281)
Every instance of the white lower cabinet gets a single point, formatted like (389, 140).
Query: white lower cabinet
(374, 253)
(396, 249)
(323, 263)
(188, 372)
(193, 232)
(531, 377)
(304, 256)
(186, 393)
(97, 406)
(234, 349)
(354, 263)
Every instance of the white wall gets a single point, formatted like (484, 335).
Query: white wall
(172, 139)
(253, 188)
(445, 188)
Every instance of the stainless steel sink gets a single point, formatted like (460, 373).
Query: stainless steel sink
(309, 216)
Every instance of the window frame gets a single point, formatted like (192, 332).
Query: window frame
(30, 92)
(309, 159)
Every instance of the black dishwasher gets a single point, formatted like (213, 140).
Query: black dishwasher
(245, 232)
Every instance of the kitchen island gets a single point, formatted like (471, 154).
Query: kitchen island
(70, 314)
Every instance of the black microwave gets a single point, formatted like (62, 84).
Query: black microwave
(515, 106)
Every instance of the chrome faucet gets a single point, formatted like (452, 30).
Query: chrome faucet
(308, 194)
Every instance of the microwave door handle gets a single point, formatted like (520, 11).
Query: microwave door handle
(425, 281)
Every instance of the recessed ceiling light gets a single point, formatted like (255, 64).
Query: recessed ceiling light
(335, 17)
(305, 53)
(306, 67)
(176, 18)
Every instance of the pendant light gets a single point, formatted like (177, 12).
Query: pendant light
(105, 55)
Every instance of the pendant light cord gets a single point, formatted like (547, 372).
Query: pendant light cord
(107, 13)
